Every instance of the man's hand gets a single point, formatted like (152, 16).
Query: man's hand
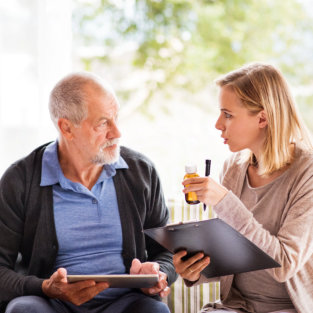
(161, 287)
(77, 293)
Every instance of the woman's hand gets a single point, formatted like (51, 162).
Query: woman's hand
(191, 268)
(207, 190)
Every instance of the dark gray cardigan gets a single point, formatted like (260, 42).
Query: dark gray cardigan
(27, 223)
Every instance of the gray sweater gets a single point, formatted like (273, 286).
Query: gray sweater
(291, 245)
(28, 241)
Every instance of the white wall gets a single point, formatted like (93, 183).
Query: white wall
(35, 51)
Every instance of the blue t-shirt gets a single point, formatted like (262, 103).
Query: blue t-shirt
(87, 221)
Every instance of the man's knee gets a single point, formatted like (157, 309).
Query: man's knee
(28, 304)
(163, 308)
(147, 305)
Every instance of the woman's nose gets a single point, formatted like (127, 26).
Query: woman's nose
(219, 125)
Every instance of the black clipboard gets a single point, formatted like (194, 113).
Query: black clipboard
(229, 251)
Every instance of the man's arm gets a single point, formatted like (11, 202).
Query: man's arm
(13, 219)
(142, 206)
(12, 195)
(158, 216)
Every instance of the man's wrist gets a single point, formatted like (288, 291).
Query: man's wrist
(44, 287)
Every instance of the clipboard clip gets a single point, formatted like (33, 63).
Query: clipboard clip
(171, 227)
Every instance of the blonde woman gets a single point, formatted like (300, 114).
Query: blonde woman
(266, 193)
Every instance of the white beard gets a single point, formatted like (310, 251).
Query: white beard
(107, 157)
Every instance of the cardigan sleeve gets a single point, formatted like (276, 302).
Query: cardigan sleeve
(12, 197)
(142, 206)
(157, 216)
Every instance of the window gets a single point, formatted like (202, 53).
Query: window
(35, 51)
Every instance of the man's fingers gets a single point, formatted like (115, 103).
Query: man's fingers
(149, 268)
(94, 290)
(81, 285)
(162, 283)
(102, 286)
(76, 293)
(159, 287)
(60, 275)
(135, 267)
(155, 268)
(83, 295)
(164, 293)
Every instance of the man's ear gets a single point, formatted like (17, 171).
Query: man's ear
(262, 119)
(65, 127)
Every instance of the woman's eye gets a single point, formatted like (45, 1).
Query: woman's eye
(227, 115)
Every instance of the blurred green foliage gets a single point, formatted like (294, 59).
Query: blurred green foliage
(189, 43)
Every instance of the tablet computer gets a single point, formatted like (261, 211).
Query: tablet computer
(119, 281)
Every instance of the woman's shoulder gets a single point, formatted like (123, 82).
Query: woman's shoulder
(234, 167)
(303, 160)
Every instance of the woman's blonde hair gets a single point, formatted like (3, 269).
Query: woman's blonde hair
(263, 87)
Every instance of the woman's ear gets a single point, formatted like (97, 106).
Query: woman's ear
(262, 119)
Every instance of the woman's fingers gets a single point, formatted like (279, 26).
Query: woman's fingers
(190, 268)
(193, 272)
(195, 184)
(201, 265)
(207, 190)
(182, 265)
(194, 180)
(193, 259)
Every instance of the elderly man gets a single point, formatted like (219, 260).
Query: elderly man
(78, 206)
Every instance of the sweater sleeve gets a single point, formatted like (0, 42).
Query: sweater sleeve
(157, 216)
(12, 198)
(292, 246)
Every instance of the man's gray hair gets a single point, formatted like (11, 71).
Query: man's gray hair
(68, 99)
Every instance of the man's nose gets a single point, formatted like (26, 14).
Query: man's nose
(114, 131)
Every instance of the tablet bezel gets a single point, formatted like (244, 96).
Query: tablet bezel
(119, 281)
